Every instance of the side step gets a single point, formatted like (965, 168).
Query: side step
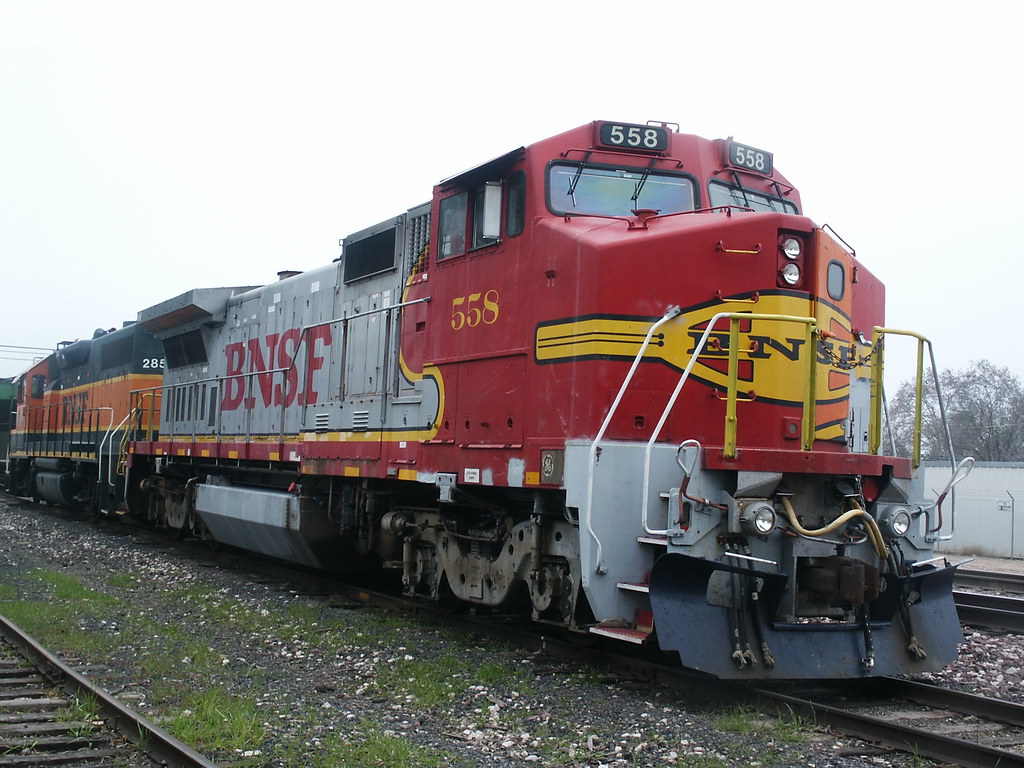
(635, 636)
(657, 541)
(629, 586)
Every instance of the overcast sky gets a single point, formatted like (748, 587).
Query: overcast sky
(149, 148)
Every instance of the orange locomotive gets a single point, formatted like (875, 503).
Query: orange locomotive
(614, 379)
(71, 414)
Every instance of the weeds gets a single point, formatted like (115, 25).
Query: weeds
(370, 747)
(212, 719)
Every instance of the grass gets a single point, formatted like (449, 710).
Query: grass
(371, 747)
(121, 580)
(703, 761)
(429, 682)
(212, 719)
(82, 709)
(67, 587)
(788, 728)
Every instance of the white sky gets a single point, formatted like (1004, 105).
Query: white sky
(149, 148)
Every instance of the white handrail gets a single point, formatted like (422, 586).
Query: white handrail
(585, 516)
(644, 504)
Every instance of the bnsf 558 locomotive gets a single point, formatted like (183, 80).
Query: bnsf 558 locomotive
(615, 378)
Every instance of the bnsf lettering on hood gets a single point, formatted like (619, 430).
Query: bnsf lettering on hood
(291, 353)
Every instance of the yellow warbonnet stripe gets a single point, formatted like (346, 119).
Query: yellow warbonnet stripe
(593, 337)
(772, 350)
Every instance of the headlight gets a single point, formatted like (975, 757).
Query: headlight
(894, 521)
(758, 518)
(791, 247)
(791, 273)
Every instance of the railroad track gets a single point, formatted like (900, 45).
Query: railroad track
(38, 726)
(949, 726)
(992, 611)
(982, 608)
(1012, 583)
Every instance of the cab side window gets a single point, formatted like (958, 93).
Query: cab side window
(471, 219)
(515, 204)
(451, 230)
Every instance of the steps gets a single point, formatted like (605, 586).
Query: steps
(643, 620)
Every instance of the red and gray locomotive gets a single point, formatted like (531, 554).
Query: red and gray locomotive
(615, 379)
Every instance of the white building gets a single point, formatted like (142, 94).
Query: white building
(989, 518)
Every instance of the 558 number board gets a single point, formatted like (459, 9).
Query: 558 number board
(646, 138)
(750, 158)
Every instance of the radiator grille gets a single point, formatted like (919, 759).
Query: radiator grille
(418, 241)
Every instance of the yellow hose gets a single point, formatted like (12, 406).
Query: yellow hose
(874, 532)
(870, 524)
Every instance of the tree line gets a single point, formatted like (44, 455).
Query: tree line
(984, 406)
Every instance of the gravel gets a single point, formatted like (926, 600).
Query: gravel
(321, 672)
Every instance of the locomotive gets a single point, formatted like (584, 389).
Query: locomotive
(614, 379)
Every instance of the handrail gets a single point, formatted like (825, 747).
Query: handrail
(249, 377)
(877, 392)
(875, 423)
(731, 419)
(110, 455)
(585, 516)
(55, 430)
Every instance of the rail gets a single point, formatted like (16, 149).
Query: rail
(152, 739)
(959, 470)
(731, 417)
(53, 429)
(186, 402)
(732, 393)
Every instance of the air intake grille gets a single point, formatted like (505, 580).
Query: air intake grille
(418, 242)
(360, 421)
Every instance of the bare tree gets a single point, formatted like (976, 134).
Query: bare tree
(984, 407)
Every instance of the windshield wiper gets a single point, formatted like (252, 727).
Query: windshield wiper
(576, 179)
(742, 191)
(640, 184)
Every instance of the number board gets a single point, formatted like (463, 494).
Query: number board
(750, 159)
(643, 138)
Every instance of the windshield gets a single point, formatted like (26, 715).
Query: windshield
(727, 194)
(578, 188)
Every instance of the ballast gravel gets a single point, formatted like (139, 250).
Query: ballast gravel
(486, 705)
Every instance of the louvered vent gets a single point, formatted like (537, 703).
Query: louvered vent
(360, 421)
(321, 421)
(419, 240)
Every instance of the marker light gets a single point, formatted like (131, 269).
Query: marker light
(791, 273)
(758, 518)
(791, 247)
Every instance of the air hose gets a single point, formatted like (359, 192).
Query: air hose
(869, 523)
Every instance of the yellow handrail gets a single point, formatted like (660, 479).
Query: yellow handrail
(810, 380)
(877, 370)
